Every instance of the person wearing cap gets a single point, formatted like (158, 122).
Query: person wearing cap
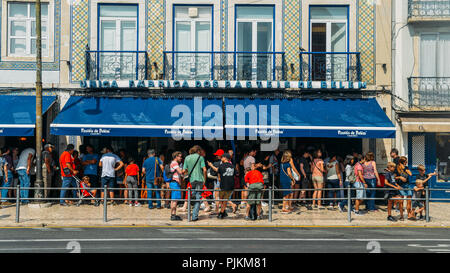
(213, 174)
(226, 177)
(48, 166)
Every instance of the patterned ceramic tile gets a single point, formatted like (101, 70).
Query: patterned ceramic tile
(156, 31)
(80, 38)
(224, 25)
(291, 36)
(366, 39)
(46, 66)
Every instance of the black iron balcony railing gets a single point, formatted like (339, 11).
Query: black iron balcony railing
(330, 66)
(429, 92)
(211, 65)
(429, 9)
(116, 65)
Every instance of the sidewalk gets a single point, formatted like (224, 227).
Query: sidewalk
(123, 215)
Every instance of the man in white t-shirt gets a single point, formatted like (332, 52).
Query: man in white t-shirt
(108, 164)
(23, 169)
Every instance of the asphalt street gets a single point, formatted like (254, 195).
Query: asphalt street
(225, 240)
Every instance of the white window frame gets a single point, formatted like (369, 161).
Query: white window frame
(438, 34)
(118, 21)
(328, 23)
(28, 38)
(193, 23)
(254, 31)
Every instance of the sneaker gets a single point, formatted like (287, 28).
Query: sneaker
(63, 204)
(130, 204)
(422, 218)
(358, 213)
(225, 214)
(309, 208)
(175, 218)
(220, 216)
(340, 208)
(167, 206)
(137, 204)
(392, 219)
(260, 217)
(247, 218)
(401, 219)
(194, 220)
(202, 206)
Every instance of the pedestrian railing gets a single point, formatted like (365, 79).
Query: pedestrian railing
(270, 197)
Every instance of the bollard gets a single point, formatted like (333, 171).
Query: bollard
(189, 205)
(349, 204)
(105, 205)
(270, 205)
(17, 203)
(427, 204)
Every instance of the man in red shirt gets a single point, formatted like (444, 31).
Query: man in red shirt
(255, 184)
(67, 172)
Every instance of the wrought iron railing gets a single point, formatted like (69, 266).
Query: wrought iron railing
(116, 65)
(429, 91)
(429, 9)
(330, 66)
(209, 65)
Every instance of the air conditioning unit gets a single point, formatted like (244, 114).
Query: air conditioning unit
(193, 12)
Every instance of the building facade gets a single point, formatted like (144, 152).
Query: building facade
(421, 84)
(307, 49)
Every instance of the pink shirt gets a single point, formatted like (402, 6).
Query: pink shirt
(174, 166)
(358, 167)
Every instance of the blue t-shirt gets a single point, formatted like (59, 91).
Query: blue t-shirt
(91, 169)
(149, 165)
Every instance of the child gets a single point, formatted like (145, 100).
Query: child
(425, 178)
(132, 178)
(417, 194)
(255, 185)
(86, 192)
(394, 193)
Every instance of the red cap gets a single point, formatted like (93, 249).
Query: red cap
(219, 152)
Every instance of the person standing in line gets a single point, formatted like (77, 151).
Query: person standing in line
(132, 178)
(305, 170)
(194, 166)
(7, 174)
(90, 167)
(68, 170)
(255, 185)
(108, 163)
(23, 169)
(14, 161)
(149, 171)
(48, 167)
(394, 155)
(226, 178)
(3, 176)
(120, 176)
(360, 185)
(286, 181)
(403, 177)
(394, 193)
(334, 180)
(175, 184)
(318, 171)
(372, 179)
(350, 179)
(213, 174)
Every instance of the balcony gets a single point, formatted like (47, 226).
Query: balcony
(429, 92)
(330, 66)
(222, 66)
(425, 10)
(116, 65)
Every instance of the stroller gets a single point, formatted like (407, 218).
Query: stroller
(84, 192)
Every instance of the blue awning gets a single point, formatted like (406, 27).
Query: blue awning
(140, 117)
(334, 118)
(18, 114)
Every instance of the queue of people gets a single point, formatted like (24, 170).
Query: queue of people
(297, 178)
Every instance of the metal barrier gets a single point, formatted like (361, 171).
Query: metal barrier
(271, 200)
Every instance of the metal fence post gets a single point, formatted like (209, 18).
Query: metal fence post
(427, 204)
(270, 205)
(189, 204)
(349, 203)
(17, 203)
(105, 204)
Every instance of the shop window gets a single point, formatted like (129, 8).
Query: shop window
(418, 150)
(443, 157)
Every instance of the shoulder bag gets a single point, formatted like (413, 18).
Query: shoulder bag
(158, 180)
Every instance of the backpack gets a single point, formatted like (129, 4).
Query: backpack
(352, 176)
(167, 174)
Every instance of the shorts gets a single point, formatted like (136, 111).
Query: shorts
(225, 194)
(306, 184)
(255, 192)
(417, 204)
(108, 181)
(216, 185)
(132, 179)
(119, 180)
(361, 190)
(317, 179)
(175, 194)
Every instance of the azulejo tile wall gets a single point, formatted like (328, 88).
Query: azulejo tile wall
(366, 39)
(156, 30)
(46, 66)
(79, 38)
(291, 36)
(224, 25)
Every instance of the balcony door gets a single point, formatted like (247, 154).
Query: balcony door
(254, 34)
(328, 27)
(193, 34)
(118, 37)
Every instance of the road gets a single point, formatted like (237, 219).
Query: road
(225, 240)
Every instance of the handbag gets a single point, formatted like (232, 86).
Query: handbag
(158, 180)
